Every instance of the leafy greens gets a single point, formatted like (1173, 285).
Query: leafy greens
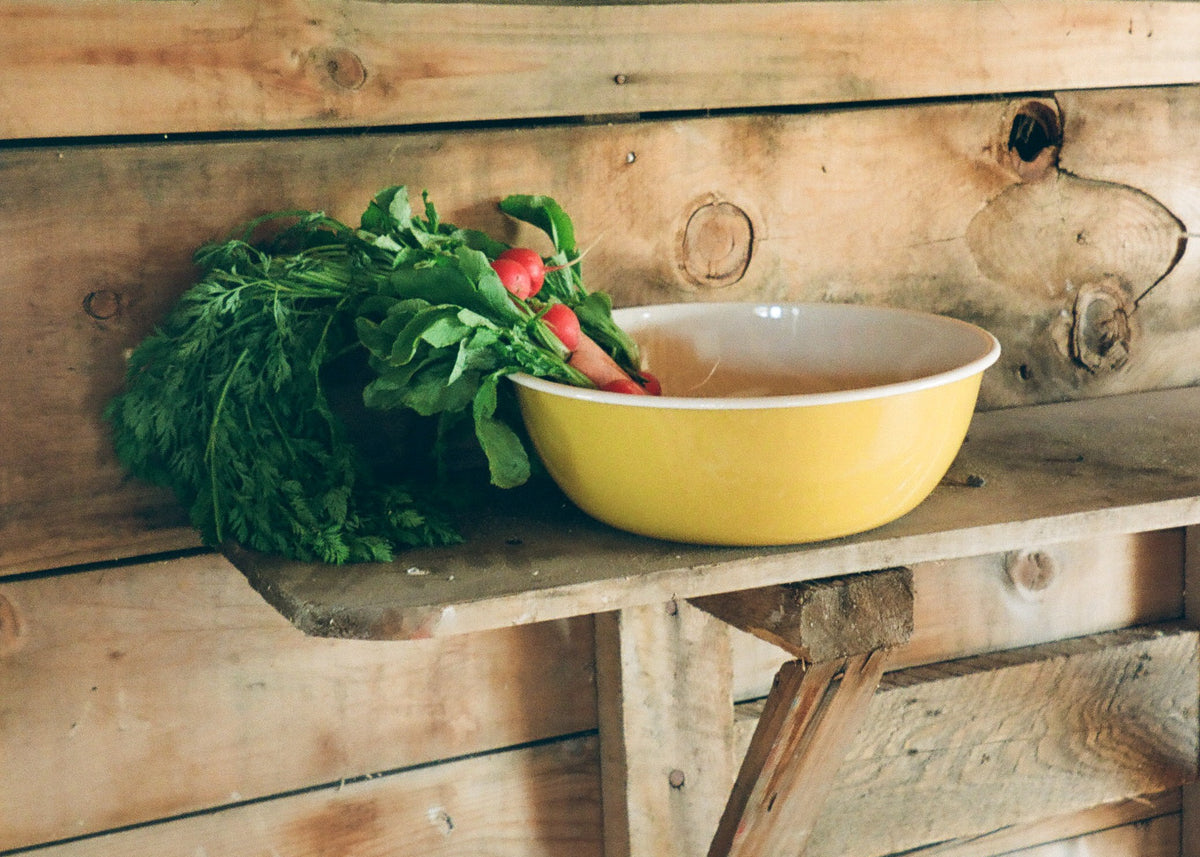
(235, 401)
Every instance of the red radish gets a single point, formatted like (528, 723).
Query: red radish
(564, 324)
(532, 263)
(650, 383)
(514, 276)
(627, 386)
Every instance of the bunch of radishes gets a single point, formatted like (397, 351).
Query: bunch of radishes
(522, 271)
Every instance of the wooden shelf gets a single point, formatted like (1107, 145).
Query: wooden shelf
(1025, 477)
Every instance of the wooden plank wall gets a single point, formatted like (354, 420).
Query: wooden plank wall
(150, 703)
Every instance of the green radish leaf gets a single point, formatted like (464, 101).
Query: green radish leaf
(508, 463)
(547, 215)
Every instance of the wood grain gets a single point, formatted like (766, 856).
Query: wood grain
(539, 801)
(1078, 723)
(121, 67)
(809, 722)
(1051, 473)
(1145, 826)
(130, 694)
(77, 298)
(824, 620)
(666, 728)
(970, 605)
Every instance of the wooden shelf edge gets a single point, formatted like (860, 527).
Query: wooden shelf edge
(1025, 477)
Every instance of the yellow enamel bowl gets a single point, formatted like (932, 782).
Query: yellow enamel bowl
(778, 423)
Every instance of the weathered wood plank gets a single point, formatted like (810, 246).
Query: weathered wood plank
(794, 757)
(666, 728)
(823, 620)
(120, 67)
(957, 749)
(539, 801)
(948, 776)
(1146, 826)
(969, 605)
(802, 185)
(129, 694)
(1156, 837)
(1190, 823)
(1050, 473)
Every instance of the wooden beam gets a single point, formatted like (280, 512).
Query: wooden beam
(666, 728)
(1145, 826)
(955, 750)
(124, 67)
(809, 722)
(967, 606)
(824, 620)
(1053, 472)
(949, 753)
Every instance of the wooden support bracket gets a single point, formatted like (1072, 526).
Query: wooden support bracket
(811, 717)
(841, 630)
(665, 706)
(824, 620)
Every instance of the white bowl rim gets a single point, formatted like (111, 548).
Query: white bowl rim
(989, 354)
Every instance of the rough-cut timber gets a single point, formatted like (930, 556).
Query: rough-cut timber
(823, 620)
(161, 689)
(122, 67)
(541, 800)
(803, 185)
(1025, 476)
(807, 725)
(966, 747)
(666, 728)
(1143, 826)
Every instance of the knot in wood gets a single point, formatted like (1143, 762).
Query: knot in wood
(1031, 572)
(1034, 140)
(717, 244)
(345, 68)
(102, 304)
(1101, 327)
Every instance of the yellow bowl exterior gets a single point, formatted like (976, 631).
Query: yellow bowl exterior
(761, 476)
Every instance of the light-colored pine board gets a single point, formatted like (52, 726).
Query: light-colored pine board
(1157, 837)
(808, 724)
(666, 728)
(970, 605)
(130, 694)
(540, 801)
(957, 749)
(1052, 473)
(122, 67)
(82, 289)
(1140, 827)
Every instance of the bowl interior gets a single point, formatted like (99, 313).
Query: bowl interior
(826, 351)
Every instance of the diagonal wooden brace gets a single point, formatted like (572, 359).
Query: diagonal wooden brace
(842, 630)
(811, 715)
